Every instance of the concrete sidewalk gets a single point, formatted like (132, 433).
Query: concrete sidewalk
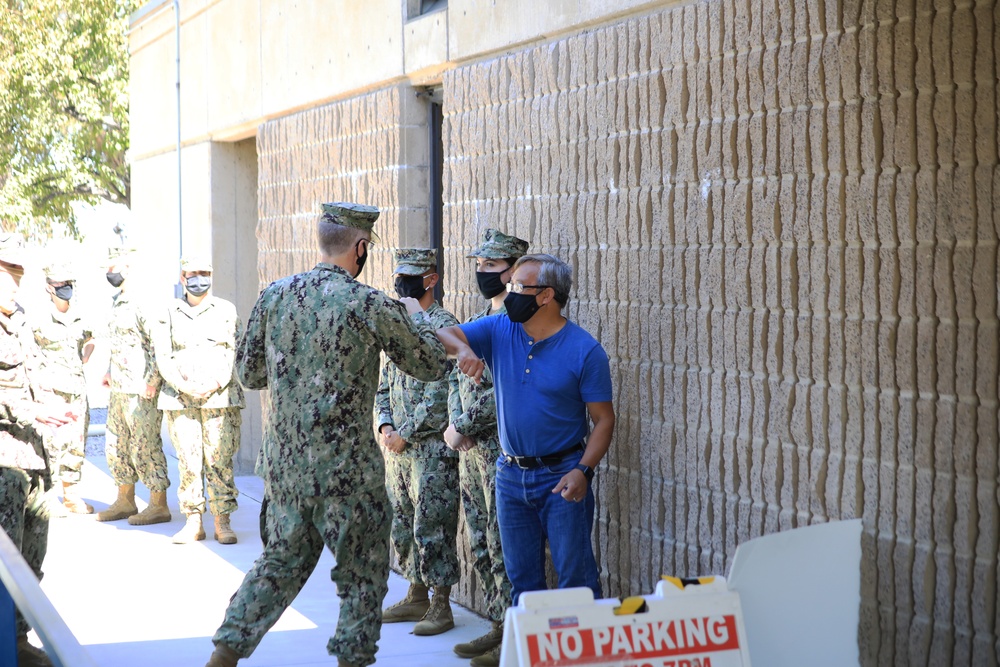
(98, 577)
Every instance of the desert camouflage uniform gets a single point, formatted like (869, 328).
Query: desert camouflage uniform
(474, 414)
(422, 481)
(61, 337)
(194, 344)
(313, 341)
(133, 445)
(24, 465)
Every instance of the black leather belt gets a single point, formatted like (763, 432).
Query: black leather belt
(529, 462)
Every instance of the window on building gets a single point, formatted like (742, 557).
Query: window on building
(417, 8)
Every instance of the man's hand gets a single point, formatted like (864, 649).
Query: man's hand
(150, 391)
(106, 380)
(572, 486)
(412, 305)
(456, 441)
(55, 416)
(393, 442)
(470, 364)
(202, 390)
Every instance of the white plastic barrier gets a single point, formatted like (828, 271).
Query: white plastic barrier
(792, 599)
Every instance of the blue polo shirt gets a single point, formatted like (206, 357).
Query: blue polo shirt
(542, 389)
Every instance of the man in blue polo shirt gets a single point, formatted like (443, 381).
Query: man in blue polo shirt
(549, 374)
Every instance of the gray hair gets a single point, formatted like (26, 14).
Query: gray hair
(553, 272)
(336, 239)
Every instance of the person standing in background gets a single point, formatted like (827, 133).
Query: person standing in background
(194, 343)
(134, 447)
(66, 340)
(421, 472)
(473, 432)
(27, 410)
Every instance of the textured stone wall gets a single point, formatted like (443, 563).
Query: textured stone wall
(782, 220)
(372, 149)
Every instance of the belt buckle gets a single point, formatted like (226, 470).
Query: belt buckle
(517, 461)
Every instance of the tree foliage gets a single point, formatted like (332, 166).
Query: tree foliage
(63, 110)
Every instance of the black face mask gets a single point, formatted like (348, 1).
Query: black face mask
(410, 286)
(197, 285)
(65, 292)
(116, 279)
(521, 307)
(361, 261)
(490, 284)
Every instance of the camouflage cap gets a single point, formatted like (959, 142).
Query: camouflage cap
(497, 245)
(196, 262)
(59, 272)
(414, 261)
(347, 214)
(12, 251)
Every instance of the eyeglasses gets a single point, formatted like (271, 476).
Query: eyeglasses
(518, 288)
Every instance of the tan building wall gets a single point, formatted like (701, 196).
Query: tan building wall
(782, 222)
(781, 217)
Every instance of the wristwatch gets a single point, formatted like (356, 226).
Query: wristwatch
(587, 471)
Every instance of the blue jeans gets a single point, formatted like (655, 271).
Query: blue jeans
(528, 513)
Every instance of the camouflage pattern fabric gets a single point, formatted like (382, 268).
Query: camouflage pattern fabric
(24, 466)
(132, 365)
(418, 410)
(24, 515)
(422, 480)
(424, 497)
(205, 440)
(313, 340)
(21, 437)
(67, 444)
(474, 414)
(477, 475)
(195, 345)
(497, 245)
(356, 531)
(61, 338)
(133, 445)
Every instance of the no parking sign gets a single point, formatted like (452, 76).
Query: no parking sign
(796, 595)
(696, 626)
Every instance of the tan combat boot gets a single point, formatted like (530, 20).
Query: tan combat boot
(410, 608)
(481, 645)
(224, 534)
(491, 659)
(192, 530)
(123, 507)
(438, 618)
(73, 502)
(155, 512)
(223, 656)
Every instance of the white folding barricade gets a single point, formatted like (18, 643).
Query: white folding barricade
(800, 589)
(694, 626)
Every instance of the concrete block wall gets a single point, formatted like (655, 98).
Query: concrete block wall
(365, 149)
(782, 221)
(370, 149)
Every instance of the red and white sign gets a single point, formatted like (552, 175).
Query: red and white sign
(702, 628)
